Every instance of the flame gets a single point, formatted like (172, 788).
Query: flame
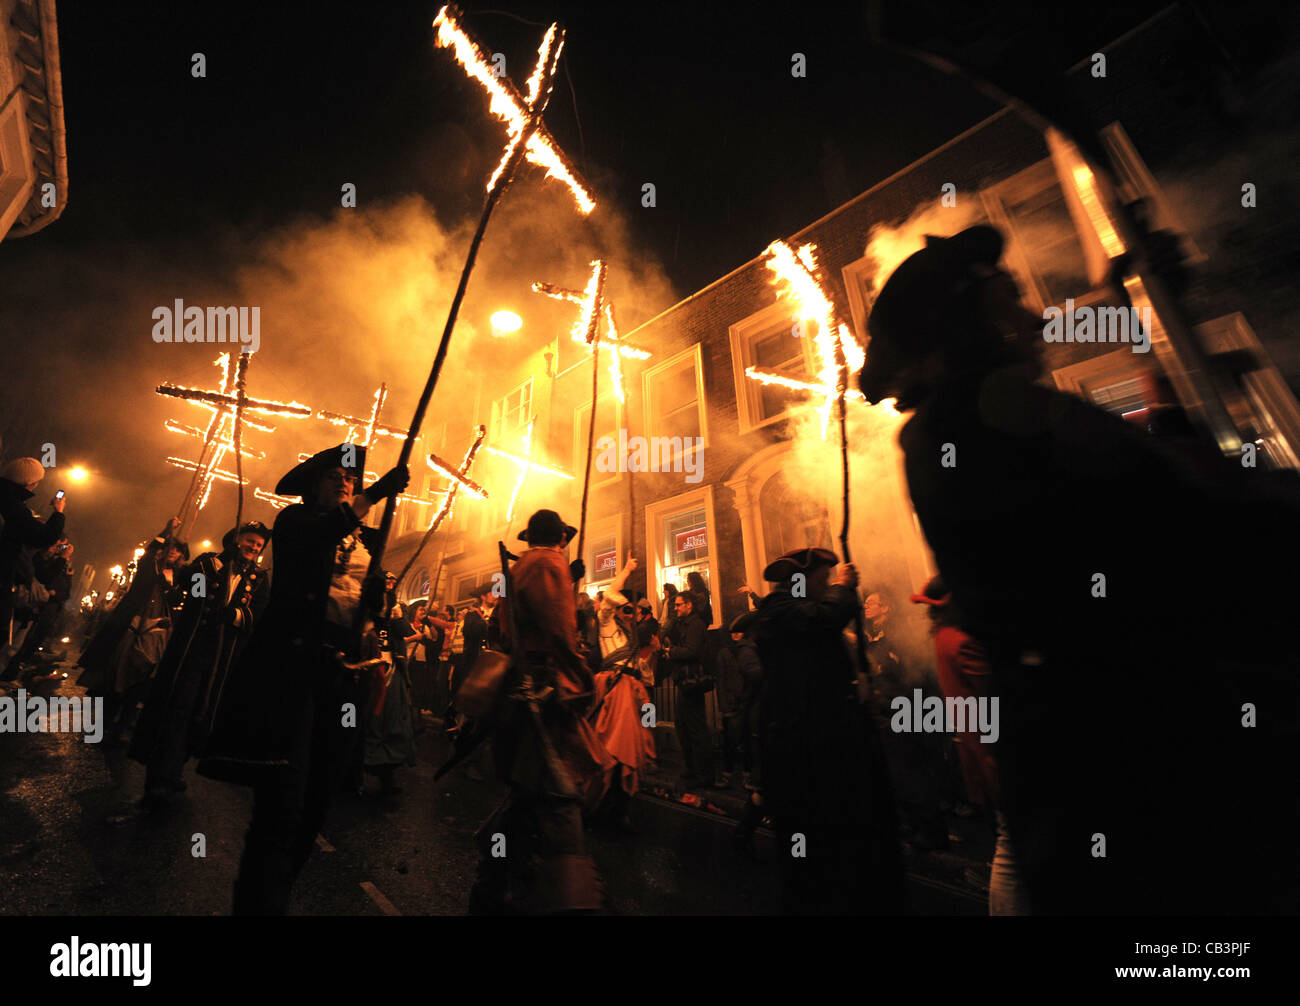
(445, 470)
(526, 464)
(576, 297)
(449, 495)
(277, 502)
(116, 572)
(532, 465)
(515, 110)
(796, 275)
(371, 424)
(615, 370)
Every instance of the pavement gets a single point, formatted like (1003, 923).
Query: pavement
(73, 842)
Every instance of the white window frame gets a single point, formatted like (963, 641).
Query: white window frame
(497, 427)
(655, 515)
(1023, 185)
(749, 392)
(596, 530)
(694, 354)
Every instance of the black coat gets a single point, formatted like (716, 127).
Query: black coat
(97, 658)
(815, 755)
(1121, 711)
(288, 675)
(205, 640)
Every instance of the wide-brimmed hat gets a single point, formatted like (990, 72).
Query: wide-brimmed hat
(914, 311)
(252, 527)
(799, 560)
(299, 480)
(935, 593)
(743, 623)
(546, 527)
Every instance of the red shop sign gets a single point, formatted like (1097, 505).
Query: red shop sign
(696, 537)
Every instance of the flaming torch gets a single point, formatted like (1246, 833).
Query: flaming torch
(527, 137)
(228, 405)
(798, 278)
(458, 478)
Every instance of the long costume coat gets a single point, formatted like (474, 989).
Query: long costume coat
(97, 658)
(204, 640)
(286, 675)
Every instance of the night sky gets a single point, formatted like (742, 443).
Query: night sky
(174, 178)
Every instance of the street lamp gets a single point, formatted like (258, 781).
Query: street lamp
(506, 322)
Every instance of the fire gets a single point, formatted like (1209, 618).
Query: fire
(371, 424)
(526, 464)
(277, 502)
(512, 108)
(448, 472)
(449, 496)
(218, 438)
(797, 279)
(576, 297)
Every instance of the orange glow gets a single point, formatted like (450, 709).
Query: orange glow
(78, 474)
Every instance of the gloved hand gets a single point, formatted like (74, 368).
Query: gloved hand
(390, 484)
(577, 570)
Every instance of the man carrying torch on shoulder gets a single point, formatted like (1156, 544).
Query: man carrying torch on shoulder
(544, 748)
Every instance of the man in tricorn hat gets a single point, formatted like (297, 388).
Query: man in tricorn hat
(824, 783)
(283, 723)
(553, 763)
(1051, 520)
(225, 593)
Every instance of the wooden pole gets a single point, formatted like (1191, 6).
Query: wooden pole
(594, 342)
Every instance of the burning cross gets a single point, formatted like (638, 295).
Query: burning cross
(585, 299)
(458, 478)
(521, 113)
(228, 405)
(370, 424)
(798, 277)
(526, 464)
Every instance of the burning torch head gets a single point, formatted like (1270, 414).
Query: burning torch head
(947, 310)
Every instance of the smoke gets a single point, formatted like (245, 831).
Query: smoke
(885, 543)
(346, 303)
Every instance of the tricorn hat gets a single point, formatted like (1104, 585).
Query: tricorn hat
(799, 560)
(912, 314)
(547, 528)
(252, 527)
(299, 481)
(743, 623)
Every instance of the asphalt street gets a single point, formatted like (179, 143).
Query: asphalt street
(72, 842)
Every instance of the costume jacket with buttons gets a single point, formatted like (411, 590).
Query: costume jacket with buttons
(287, 676)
